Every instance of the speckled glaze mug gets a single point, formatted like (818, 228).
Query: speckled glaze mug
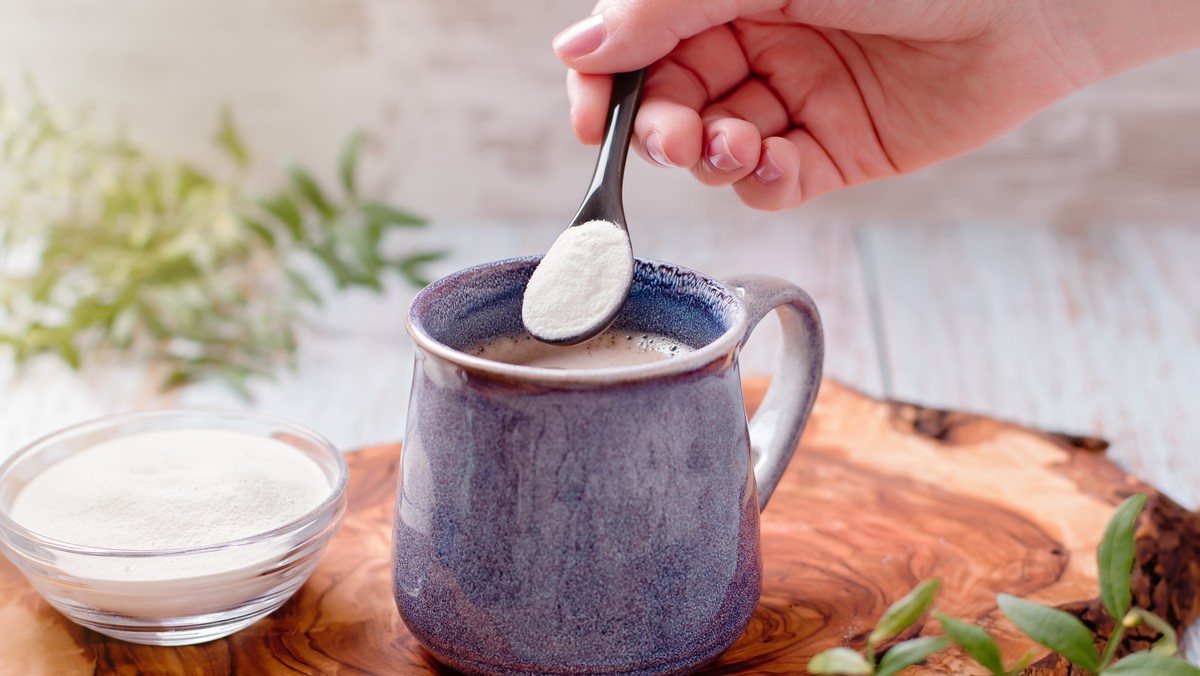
(599, 521)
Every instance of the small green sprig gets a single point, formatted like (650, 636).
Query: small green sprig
(1055, 629)
(105, 249)
(899, 616)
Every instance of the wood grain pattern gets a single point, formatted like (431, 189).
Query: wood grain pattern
(879, 497)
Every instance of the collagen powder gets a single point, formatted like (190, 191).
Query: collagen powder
(582, 279)
(169, 490)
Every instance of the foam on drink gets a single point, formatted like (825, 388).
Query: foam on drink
(611, 349)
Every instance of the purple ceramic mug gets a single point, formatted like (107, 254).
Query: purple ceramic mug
(593, 521)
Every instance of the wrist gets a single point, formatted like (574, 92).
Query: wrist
(1117, 35)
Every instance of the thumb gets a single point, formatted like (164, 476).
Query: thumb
(624, 35)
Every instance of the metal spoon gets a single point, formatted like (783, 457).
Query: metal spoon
(584, 279)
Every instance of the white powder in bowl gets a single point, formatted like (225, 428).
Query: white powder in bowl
(171, 489)
(583, 279)
(174, 489)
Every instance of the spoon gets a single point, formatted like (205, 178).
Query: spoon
(584, 279)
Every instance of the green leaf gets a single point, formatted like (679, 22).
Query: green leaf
(1151, 664)
(1053, 628)
(904, 613)
(261, 231)
(179, 377)
(1115, 556)
(90, 312)
(1026, 660)
(906, 654)
(975, 641)
(284, 208)
(344, 274)
(174, 270)
(190, 180)
(302, 288)
(308, 188)
(70, 354)
(43, 285)
(839, 661)
(1169, 643)
(230, 140)
(237, 376)
(410, 266)
(349, 163)
(377, 212)
(186, 269)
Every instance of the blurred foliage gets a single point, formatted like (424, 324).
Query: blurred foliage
(105, 249)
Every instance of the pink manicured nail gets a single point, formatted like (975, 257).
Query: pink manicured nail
(767, 170)
(582, 37)
(654, 148)
(719, 155)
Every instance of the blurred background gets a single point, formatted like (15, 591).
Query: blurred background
(466, 108)
(1050, 277)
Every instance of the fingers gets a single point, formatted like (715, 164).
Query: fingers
(819, 171)
(667, 132)
(589, 96)
(797, 129)
(754, 102)
(731, 151)
(709, 65)
(774, 183)
(624, 35)
(791, 170)
(699, 70)
(826, 94)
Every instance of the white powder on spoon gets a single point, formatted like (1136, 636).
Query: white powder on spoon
(583, 279)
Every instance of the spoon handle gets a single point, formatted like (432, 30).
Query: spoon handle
(603, 200)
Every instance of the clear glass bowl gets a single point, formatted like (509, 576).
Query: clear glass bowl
(177, 596)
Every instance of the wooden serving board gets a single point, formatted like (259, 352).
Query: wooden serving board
(880, 496)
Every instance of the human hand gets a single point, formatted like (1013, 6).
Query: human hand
(789, 99)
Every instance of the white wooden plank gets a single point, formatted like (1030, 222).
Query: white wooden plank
(1092, 331)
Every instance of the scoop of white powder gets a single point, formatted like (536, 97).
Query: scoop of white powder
(583, 280)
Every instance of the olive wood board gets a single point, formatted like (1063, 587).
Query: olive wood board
(879, 496)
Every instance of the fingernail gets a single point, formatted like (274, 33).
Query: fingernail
(654, 148)
(767, 171)
(719, 155)
(582, 37)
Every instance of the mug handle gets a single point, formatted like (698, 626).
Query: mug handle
(777, 424)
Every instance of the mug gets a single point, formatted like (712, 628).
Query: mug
(592, 521)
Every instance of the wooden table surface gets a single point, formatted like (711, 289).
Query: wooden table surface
(878, 497)
(1093, 331)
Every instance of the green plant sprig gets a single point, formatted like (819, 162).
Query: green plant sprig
(104, 249)
(1055, 629)
(899, 616)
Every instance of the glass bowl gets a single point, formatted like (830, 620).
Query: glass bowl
(171, 596)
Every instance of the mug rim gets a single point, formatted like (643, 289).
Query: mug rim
(692, 361)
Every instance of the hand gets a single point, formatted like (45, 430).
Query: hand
(786, 100)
